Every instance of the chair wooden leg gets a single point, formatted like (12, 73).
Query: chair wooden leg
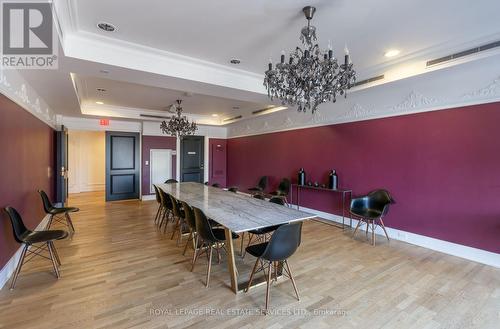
(252, 274)
(175, 228)
(157, 214)
(357, 226)
(292, 279)
(373, 232)
(190, 237)
(18, 267)
(250, 237)
(367, 226)
(56, 270)
(383, 227)
(209, 266)
(56, 254)
(268, 286)
(218, 253)
(69, 222)
(195, 254)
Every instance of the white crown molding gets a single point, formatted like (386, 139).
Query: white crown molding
(469, 84)
(17, 89)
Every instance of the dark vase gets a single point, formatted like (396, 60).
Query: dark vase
(333, 180)
(301, 179)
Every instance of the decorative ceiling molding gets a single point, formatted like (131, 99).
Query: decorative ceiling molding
(15, 87)
(438, 90)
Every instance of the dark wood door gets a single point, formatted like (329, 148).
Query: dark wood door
(192, 157)
(122, 166)
(62, 166)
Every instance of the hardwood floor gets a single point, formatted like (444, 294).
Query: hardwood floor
(119, 272)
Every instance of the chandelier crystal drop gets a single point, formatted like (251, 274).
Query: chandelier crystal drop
(310, 76)
(178, 125)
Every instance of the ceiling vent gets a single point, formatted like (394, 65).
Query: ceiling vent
(233, 118)
(154, 116)
(365, 81)
(467, 52)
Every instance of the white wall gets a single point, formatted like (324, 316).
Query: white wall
(86, 161)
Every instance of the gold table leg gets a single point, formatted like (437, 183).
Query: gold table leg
(230, 260)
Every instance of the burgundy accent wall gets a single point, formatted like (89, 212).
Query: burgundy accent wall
(155, 142)
(217, 166)
(442, 168)
(26, 165)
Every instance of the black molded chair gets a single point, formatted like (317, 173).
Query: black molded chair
(261, 186)
(191, 223)
(160, 208)
(216, 185)
(283, 189)
(233, 189)
(283, 244)
(56, 213)
(207, 239)
(171, 180)
(31, 240)
(167, 213)
(178, 214)
(261, 234)
(370, 209)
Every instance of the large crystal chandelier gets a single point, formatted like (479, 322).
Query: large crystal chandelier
(178, 125)
(311, 76)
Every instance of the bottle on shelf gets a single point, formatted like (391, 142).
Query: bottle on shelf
(301, 179)
(333, 180)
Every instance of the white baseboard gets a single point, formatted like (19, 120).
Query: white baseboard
(148, 197)
(10, 267)
(474, 254)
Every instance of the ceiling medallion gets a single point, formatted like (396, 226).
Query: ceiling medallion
(178, 125)
(311, 76)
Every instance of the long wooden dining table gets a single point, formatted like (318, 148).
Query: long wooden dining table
(236, 212)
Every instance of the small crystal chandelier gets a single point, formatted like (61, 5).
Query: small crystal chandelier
(178, 125)
(311, 76)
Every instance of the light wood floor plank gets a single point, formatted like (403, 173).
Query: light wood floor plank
(119, 272)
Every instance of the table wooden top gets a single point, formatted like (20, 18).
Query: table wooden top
(237, 212)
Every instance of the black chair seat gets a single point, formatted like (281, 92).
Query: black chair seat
(265, 230)
(62, 210)
(44, 236)
(221, 236)
(255, 189)
(257, 250)
(367, 213)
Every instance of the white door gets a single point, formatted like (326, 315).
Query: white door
(160, 167)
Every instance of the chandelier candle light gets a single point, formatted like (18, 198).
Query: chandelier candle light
(311, 76)
(178, 125)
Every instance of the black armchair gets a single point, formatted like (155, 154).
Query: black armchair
(56, 213)
(370, 209)
(283, 189)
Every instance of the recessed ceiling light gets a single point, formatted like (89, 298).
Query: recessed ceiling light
(101, 90)
(391, 53)
(235, 61)
(104, 71)
(236, 107)
(106, 27)
(100, 103)
(215, 115)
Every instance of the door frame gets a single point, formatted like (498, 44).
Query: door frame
(138, 150)
(170, 154)
(180, 157)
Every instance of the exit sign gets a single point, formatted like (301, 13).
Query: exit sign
(104, 122)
